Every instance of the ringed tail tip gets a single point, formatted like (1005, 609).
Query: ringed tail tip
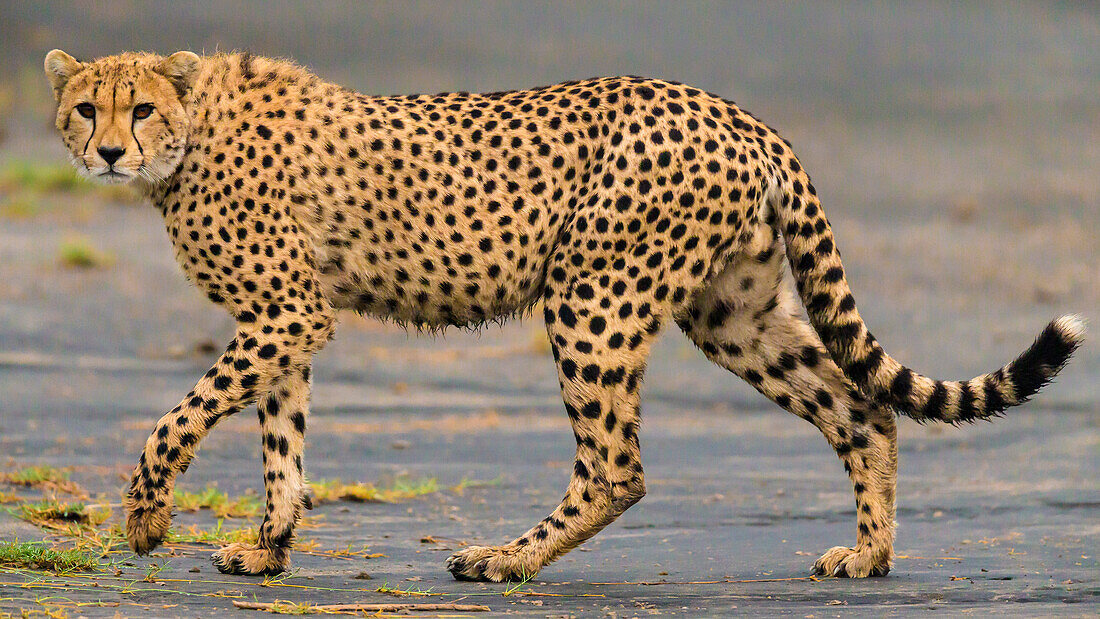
(1038, 365)
(1071, 327)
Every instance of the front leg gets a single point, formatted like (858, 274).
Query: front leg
(170, 448)
(258, 359)
(268, 282)
(282, 423)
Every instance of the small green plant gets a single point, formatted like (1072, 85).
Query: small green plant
(284, 607)
(271, 580)
(152, 571)
(102, 540)
(515, 589)
(415, 591)
(36, 556)
(81, 254)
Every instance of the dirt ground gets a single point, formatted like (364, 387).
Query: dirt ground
(957, 164)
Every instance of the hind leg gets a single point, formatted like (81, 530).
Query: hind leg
(746, 321)
(600, 343)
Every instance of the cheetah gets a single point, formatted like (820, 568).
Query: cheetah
(616, 204)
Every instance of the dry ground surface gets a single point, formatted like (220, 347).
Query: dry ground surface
(998, 517)
(965, 198)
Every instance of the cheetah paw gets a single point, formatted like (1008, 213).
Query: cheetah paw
(490, 563)
(845, 562)
(238, 558)
(147, 524)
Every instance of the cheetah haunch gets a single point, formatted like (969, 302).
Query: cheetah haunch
(618, 203)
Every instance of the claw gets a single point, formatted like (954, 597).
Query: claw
(250, 561)
(488, 565)
(841, 562)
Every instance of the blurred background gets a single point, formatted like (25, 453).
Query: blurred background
(956, 146)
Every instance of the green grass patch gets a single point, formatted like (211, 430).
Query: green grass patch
(45, 477)
(56, 177)
(219, 535)
(79, 253)
(400, 489)
(36, 556)
(460, 487)
(19, 207)
(35, 475)
(223, 506)
(329, 490)
(29, 189)
(43, 178)
(56, 514)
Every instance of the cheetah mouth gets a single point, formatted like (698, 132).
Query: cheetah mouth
(113, 176)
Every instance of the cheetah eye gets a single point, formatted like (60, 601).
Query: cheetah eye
(87, 110)
(143, 111)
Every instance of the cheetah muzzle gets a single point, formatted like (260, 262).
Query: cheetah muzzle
(616, 203)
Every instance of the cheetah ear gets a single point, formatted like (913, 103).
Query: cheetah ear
(59, 68)
(180, 68)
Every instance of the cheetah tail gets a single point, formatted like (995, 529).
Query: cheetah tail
(824, 290)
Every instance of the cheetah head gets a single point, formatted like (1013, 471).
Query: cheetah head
(123, 118)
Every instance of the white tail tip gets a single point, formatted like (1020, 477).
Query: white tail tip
(1072, 327)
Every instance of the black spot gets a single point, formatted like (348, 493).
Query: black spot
(591, 410)
(568, 318)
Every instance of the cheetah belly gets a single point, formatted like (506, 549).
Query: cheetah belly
(431, 289)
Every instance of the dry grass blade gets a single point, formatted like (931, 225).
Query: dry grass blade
(308, 609)
(328, 490)
(706, 582)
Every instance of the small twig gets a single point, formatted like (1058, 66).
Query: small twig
(384, 608)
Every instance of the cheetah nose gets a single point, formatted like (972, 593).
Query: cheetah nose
(110, 154)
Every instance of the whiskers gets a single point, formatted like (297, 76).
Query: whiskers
(81, 165)
(149, 176)
(161, 167)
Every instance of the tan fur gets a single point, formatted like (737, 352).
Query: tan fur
(619, 203)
